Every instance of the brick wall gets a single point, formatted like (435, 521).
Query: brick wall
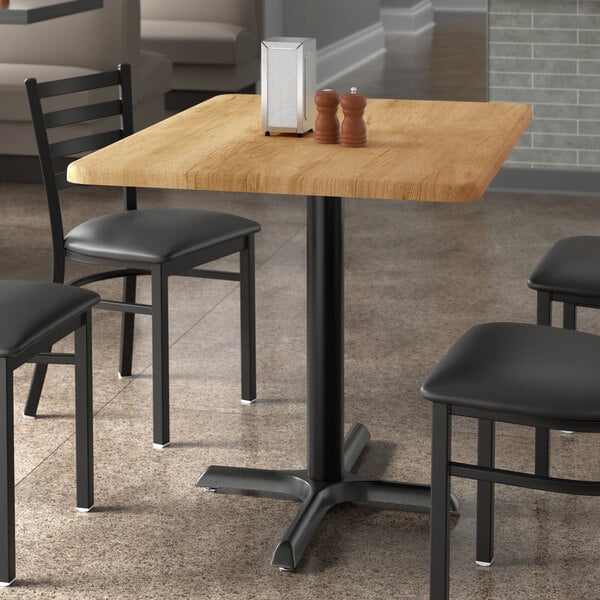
(547, 53)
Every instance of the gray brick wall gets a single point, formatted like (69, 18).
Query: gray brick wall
(546, 53)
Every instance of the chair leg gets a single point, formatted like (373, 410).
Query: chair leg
(127, 325)
(35, 389)
(440, 503)
(7, 477)
(542, 436)
(39, 372)
(544, 308)
(569, 315)
(569, 322)
(484, 556)
(248, 323)
(84, 433)
(160, 356)
(542, 452)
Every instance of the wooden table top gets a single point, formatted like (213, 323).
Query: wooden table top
(417, 150)
(23, 12)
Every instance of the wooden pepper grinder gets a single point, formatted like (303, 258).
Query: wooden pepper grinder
(354, 128)
(327, 124)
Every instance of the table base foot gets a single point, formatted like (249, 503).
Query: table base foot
(317, 497)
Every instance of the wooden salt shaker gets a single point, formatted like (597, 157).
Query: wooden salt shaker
(327, 124)
(354, 128)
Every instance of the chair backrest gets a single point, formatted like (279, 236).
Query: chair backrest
(62, 151)
(238, 12)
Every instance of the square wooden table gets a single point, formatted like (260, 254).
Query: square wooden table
(417, 150)
(24, 12)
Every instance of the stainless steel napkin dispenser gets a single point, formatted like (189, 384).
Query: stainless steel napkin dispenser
(288, 84)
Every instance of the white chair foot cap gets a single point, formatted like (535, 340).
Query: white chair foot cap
(247, 402)
(124, 376)
(84, 510)
(6, 584)
(161, 446)
(564, 432)
(480, 563)
(33, 418)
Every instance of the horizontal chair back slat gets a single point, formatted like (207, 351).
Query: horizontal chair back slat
(86, 143)
(69, 116)
(83, 83)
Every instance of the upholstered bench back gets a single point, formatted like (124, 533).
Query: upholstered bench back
(237, 12)
(75, 45)
(98, 39)
(213, 44)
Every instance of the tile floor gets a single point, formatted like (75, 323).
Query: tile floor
(418, 275)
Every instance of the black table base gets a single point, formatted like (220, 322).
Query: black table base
(327, 480)
(317, 497)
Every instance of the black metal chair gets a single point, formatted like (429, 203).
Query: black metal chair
(157, 242)
(569, 273)
(33, 316)
(543, 377)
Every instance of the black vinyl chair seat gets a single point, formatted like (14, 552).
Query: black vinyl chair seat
(521, 369)
(571, 266)
(30, 310)
(157, 235)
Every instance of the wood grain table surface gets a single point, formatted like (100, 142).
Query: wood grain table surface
(417, 150)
